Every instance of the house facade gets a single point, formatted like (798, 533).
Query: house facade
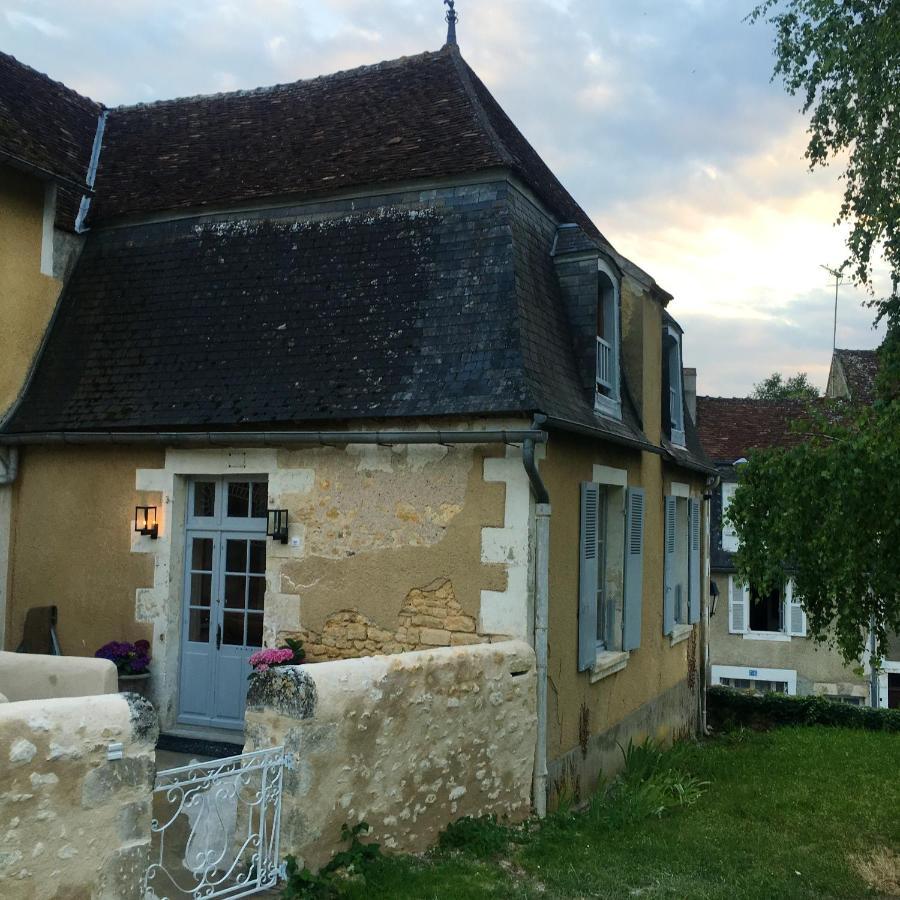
(758, 640)
(342, 360)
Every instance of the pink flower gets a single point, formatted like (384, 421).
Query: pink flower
(263, 660)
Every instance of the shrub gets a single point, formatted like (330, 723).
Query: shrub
(729, 709)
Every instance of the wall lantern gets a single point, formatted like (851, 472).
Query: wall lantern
(145, 521)
(277, 527)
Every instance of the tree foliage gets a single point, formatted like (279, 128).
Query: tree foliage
(827, 511)
(777, 387)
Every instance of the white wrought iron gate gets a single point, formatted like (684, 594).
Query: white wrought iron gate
(216, 827)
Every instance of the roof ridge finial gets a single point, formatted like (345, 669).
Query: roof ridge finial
(452, 19)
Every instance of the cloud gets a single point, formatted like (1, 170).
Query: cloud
(658, 115)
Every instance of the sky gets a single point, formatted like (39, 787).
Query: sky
(659, 116)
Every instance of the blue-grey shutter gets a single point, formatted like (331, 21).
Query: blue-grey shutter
(669, 565)
(694, 564)
(587, 589)
(634, 567)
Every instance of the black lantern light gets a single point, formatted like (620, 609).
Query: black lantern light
(145, 521)
(277, 527)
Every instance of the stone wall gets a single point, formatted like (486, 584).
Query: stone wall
(407, 743)
(25, 676)
(73, 822)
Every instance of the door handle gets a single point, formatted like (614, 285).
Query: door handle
(218, 637)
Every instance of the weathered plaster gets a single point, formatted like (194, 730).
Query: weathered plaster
(34, 677)
(61, 799)
(407, 743)
(5, 540)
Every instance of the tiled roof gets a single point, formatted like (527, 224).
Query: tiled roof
(47, 127)
(425, 116)
(730, 427)
(860, 369)
(387, 311)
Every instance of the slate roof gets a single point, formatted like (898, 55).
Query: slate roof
(425, 116)
(860, 369)
(730, 427)
(48, 128)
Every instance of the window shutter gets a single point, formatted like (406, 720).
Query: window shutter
(796, 618)
(729, 535)
(694, 564)
(634, 568)
(737, 607)
(587, 590)
(669, 566)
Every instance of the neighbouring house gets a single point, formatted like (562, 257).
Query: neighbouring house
(758, 640)
(343, 360)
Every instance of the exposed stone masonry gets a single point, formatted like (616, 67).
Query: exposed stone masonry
(430, 617)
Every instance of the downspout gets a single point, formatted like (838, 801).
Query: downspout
(541, 609)
(9, 468)
(873, 647)
(712, 484)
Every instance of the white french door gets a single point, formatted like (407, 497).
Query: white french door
(224, 591)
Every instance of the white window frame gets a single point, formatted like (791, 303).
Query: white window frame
(730, 541)
(754, 673)
(610, 404)
(785, 635)
(676, 387)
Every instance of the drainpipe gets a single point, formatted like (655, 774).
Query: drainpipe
(541, 607)
(9, 467)
(874, 669)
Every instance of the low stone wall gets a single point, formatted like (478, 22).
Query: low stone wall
(407, 743)
(25, 676)
(74, 823)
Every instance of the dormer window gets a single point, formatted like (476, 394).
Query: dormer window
(673, 384)
(607, 398)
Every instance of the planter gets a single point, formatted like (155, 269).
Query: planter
(134, 684)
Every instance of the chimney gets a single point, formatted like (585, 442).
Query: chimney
(689, 377)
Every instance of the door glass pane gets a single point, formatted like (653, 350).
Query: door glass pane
(256, 593)
(258, 557)
(234, 591)
(202, 554)
(260, 500)
(199, 626)
(201, 589)
(236, 556)
(233, 629)
(238, 499)
(254, 630)
(204, 498)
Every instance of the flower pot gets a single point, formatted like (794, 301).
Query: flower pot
(134, 684)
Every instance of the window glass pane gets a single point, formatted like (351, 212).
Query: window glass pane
(256, 593)
(258, 557)
(254, 630)
(234, 591)
(202, 553)
(260, 500)
(233, 629)
(199, 626)
(238, 499)
(204, 498)
(201, 590)
(236, 555)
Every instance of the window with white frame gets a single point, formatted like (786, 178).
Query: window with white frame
(729, 534)
(754, 680)
(610, 568)
(673, 385)
(608, 398)
(764, 614)
(681, 556)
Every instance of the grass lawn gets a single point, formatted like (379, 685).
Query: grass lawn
(785, 814)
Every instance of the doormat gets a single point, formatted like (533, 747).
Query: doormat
(176, 743)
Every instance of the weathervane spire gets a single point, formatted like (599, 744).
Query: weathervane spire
(452, 19)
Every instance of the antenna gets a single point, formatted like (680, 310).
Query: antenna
(838, 278)
(452, 19)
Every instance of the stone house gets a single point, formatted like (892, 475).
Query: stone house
(758, 641)
(342, 359)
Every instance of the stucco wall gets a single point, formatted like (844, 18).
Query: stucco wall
(27, 297)
(820, 668)
(579, 709)
(36, 677)
(74, 823)
(72, 521)
(407, 743)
